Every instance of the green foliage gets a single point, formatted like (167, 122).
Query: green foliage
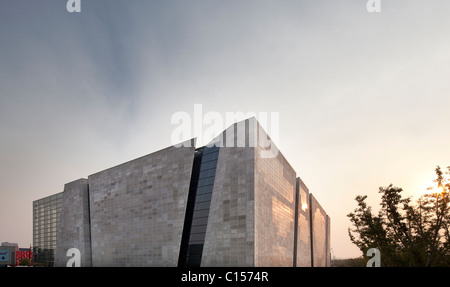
(25, 262)
(407, 234)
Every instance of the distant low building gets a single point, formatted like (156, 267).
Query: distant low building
(10, 244)
(24, 253)
(12, 255)
(8, 255)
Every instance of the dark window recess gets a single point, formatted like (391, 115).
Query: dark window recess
(197, 209)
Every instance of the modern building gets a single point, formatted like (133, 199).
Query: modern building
(235, 202)
(46, 215)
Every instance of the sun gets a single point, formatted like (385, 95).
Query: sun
(435, 188)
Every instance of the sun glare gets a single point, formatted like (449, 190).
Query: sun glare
(434, 188)
(304, 206)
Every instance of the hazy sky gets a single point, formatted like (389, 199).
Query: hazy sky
(362, 97)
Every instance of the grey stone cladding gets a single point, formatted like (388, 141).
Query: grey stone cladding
(260, 212)
(230, 237)
(303, 226)
(138, 208)
(74, 227)
(275, 189)
(320, 234)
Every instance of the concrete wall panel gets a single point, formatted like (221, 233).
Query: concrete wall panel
(74, 226)
(303, 227)
(229, 237)
(275, 189)
(138, 209)
(319, 231)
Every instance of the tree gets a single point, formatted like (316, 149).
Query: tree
(406, 233)
(25, 262)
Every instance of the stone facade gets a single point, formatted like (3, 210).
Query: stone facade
(74, 228)
(230, 239)
(275, 189)
(255, 211)
(303, 237)
(138, 208)
(260, 211)
(320, 234)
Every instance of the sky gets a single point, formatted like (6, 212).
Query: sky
(362, 97)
